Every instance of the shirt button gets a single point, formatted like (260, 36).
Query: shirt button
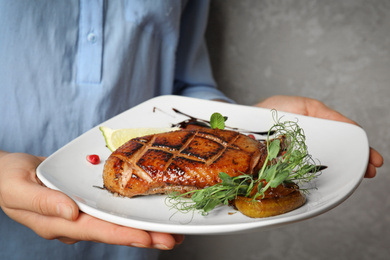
(91, 37)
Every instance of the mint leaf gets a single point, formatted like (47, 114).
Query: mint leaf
(217, 121)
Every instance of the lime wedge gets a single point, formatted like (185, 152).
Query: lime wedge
(116, 137)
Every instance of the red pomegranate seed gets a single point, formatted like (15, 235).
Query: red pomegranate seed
(251, 136)
(93, 158)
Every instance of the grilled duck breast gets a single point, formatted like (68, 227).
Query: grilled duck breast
(181, 161)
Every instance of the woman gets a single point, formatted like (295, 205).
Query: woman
(66, 66)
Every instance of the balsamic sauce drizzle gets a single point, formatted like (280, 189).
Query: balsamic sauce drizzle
(202, 122)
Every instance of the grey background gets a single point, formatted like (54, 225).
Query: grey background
(334, 51)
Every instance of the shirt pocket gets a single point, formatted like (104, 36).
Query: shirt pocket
(154, 14)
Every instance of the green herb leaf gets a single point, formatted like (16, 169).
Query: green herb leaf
(211, 204)
(279, 178)
(274, 149)
(217, 121)
(260, 186)
(198, 196)
(269, 174)
(226, 179)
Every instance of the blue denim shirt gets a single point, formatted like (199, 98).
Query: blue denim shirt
(66, 66)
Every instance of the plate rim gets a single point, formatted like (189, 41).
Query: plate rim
(200, 229)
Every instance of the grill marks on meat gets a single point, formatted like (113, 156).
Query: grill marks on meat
(180, 161)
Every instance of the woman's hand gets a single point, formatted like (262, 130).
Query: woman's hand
(315, 108)
(53, 215)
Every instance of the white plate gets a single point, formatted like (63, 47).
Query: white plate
(342, 147)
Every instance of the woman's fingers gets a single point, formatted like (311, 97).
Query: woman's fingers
(88, 228)
(376, 158)
(375, 161)
(53, 215)
(178, 238)
(315, 108)
(164, 242)
(32, 197)
(20, 190)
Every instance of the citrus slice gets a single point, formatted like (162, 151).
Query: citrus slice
(116, 137)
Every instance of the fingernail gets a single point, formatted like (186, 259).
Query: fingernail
(64, 211)
(137, 245)
(161, 247)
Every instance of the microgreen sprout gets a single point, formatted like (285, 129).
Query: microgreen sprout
(287, 160)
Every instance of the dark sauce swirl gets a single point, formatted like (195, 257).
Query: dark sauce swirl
(205, 123)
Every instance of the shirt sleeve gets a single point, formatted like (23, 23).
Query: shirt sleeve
(193, 74)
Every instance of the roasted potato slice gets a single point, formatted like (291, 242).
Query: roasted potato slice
(267, 207)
